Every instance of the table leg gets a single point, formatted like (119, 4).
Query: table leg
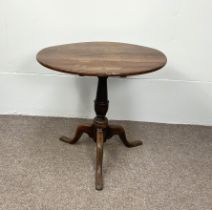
(99, 158)
(119, 130)
(80, 130)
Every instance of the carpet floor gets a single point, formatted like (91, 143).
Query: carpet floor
(171, 171)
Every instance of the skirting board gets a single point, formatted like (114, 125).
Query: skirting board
(151, 100)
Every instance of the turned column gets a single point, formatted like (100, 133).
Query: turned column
(101, 103)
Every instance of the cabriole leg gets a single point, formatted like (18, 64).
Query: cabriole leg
(99, 158)
(88, 129)
(119, 130)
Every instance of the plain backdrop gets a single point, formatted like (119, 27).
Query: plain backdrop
(179, 93)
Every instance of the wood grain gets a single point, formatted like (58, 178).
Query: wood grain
(102, 59)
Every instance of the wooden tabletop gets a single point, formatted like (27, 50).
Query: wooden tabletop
(102, 59)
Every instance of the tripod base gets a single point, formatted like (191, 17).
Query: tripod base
(100, 134)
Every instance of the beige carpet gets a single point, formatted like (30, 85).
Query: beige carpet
(171, 171)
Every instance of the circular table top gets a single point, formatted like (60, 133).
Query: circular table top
(102, 59)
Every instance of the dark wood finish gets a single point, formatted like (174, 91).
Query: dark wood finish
(89, 129)
(119, 130)
(99, 158)
(102, 59)
(100, 130)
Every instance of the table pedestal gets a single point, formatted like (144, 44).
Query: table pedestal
(100, 130)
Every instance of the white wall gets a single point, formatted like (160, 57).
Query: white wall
(180, 93)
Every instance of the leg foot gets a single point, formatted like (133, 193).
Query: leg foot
(99, 157)
(119, 130)
(80, 130)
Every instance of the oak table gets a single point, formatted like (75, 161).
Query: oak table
(102, 60)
